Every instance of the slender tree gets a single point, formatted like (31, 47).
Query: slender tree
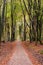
(13, 7)
(0, 23)
(2, 18)
(12, 34)
(40, 20)
(24, 21)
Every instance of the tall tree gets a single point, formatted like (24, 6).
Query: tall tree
(24, 20)
(13, 7)
(0, 23)
(2, 18)
(29, 11)
(12, 38)
(39, 20)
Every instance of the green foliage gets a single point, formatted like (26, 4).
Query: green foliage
(15, 6)
(41, 51)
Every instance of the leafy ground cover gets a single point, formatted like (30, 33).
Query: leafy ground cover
(6, 50)
(34, 52)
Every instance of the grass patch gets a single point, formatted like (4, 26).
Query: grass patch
(41, 51)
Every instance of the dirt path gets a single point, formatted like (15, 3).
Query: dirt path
(19, 57)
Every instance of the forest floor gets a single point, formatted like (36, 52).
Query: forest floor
(28, 53)
(6, 50)
(34, 52)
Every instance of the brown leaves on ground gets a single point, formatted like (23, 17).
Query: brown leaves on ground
(6, 50)
(35, 52)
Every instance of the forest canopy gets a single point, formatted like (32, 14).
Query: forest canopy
(30, 15)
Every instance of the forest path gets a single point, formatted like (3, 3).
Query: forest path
(19, 57)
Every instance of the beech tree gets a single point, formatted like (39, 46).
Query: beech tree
(23, 12)
(13, 6)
